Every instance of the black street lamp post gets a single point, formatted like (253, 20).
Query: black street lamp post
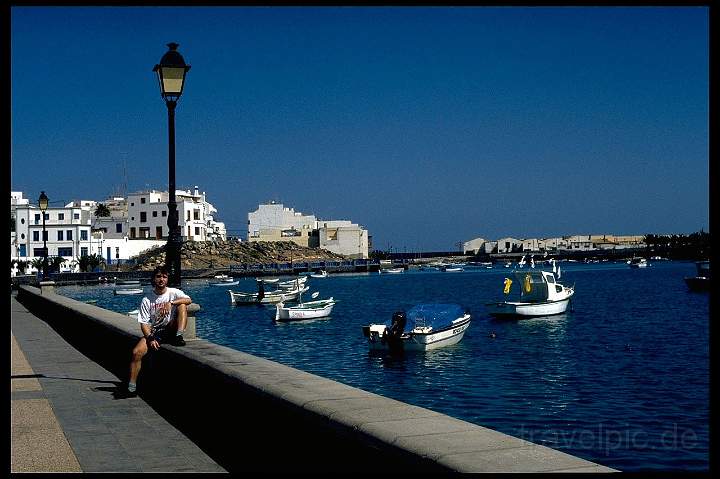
(43, 204)
(171, 73)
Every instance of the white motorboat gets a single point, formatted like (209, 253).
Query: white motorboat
(391, 270)
(223, 280)
(453, 269)
(305, 310)
(320, 274)
(262, 297)
(422, 328)
(285, 285)
(638, 263)
(127, 282)
(540, 295)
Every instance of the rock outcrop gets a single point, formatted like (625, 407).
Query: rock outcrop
(220, 254)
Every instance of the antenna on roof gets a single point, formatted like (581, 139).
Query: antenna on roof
(123, 188)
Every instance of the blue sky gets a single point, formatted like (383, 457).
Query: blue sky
(428, 126)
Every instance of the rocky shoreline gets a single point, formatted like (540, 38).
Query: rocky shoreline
(222, 254)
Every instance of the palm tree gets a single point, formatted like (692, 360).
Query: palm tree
(101, 210)
(89, 263)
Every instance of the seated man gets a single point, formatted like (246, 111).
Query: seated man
(162, 317)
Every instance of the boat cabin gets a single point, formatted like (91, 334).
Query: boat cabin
(538, 286)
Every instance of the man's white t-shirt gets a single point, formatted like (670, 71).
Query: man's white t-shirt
(149, 308)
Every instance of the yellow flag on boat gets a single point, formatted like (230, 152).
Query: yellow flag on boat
(527, 285)
(508, 283)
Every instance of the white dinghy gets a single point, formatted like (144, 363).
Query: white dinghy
(305, 310)
(223, 280)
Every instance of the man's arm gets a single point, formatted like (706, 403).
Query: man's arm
(145, 328)
(185, 300)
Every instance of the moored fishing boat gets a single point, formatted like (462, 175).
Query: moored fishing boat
(700, 282)
(320, 274)
(540, 295)
(262, 297)
(422, 328)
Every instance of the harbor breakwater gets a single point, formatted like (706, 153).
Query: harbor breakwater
(246, 411)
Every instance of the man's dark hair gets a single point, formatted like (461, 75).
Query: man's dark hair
(160, 269)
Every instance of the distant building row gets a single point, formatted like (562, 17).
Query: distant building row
(135, 224)
(139, 222)
(564, 243)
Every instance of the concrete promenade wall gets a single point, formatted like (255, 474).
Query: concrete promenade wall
(255, 415)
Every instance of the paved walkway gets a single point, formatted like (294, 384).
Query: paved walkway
(65, 418)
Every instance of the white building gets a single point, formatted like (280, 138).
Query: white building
(343, 237)
(148, 210)
(134, 225)
(474, 246)
(507, 245)
(114, 226)
(275, 222)
(67, 232)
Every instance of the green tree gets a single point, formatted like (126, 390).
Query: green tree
(53, 262)
(101, 210)
(89, 263)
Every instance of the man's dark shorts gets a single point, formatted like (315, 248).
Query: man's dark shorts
(168, 333)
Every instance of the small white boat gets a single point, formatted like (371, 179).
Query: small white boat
(124, 291)
(127, 282)
(223, 280)
(540, 295)
(262, 297)
(453, 269)
(308, 310)
(422, 328)
(391, 270)
(320, 274)
(287, 284)
(638, 263)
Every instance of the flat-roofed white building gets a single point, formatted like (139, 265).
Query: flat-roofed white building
(116, 225)
(67, 232)
(343, 237)
(275, 222)
(530, 244)
(474, 246)
(148, 211)
(508, 245)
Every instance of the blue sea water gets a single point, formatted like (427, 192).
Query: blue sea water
(621, 380)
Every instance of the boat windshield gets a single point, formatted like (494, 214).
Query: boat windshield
(435, 315)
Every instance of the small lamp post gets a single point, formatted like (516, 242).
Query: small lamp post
(43, 204)
(171, 73)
